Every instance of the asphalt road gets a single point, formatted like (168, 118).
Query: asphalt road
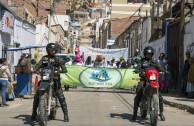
(92, 107)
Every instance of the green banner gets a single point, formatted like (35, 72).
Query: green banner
(99, 77)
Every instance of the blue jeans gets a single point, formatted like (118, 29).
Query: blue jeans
(3, 84)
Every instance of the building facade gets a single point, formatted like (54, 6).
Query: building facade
(127, 8)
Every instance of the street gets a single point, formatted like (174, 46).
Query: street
(92, 107)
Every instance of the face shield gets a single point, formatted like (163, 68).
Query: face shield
(149, 56)
(52, 52)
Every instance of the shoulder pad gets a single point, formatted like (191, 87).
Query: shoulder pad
(45, 57)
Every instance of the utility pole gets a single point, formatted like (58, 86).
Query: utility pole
(152, 17)
(50, 19)
(158, 21)
(181, 41)
(193, 7)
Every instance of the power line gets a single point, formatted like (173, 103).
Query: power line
(130, 18)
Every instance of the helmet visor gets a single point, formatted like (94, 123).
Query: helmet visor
(52, 51)
(149, 55)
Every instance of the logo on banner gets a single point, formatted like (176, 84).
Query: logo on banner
(7, 22)
(99, 77)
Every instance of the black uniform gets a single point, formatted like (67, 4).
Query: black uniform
(57, 63)
(143, 64)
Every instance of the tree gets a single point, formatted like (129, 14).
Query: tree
(75, 4)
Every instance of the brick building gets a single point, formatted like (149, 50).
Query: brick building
(35, 11)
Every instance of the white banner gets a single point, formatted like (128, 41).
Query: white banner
(110, 42)
(7, 22)
(107, 53)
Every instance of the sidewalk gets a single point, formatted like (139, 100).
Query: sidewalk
(181, 102)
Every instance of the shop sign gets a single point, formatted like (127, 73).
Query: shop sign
(7, 22)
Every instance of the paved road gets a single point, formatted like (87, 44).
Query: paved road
(92, 107)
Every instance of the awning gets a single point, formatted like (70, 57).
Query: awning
(23, 48)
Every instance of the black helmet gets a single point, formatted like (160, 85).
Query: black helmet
(148, 50)
(50, 47)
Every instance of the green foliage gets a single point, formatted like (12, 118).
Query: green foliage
(89, 24)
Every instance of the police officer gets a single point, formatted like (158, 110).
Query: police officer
(51, 49)
(147, 62)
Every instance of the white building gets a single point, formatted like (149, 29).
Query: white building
(25, 35)
(14, 33)
(64, 21)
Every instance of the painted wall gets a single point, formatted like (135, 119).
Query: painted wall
(146, 32)
(25, 34)
(189, 37)
(123, 9)
(42, 35)
(158, 46)
(63, 20)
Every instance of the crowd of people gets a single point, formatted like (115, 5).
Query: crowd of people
(100, 61)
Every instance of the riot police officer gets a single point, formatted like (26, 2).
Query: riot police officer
(148, 54)
(51, 49)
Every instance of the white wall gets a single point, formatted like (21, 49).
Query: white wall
(146, 32)
(25, 34)
(5, 40)
(63, 20)
(74, 32)
(42, 35)
(1, 49)
(99, 23)
(158, 46)
(189, 37)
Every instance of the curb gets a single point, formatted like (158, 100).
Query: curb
(180, 106)
(28, 96)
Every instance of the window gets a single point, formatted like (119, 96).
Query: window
(76, 16)
(137, 1)
(66, 23)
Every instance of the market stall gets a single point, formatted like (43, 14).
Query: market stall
(23, 73)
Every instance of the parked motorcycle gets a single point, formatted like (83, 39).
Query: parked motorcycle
(149, 103)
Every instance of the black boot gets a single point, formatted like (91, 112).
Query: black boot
(63, 106)
(35, 106)
(135, 107)
(161, 102)
(162, 117)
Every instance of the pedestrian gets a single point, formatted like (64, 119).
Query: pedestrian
(68, 60)
(88, 61)
(163, 78)
(162, 61)
(77, 59)
(99, 62)
(185, 73)
(105, 64)
(21, 61)
(122, 63)
(5, 79)
(113, 63)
